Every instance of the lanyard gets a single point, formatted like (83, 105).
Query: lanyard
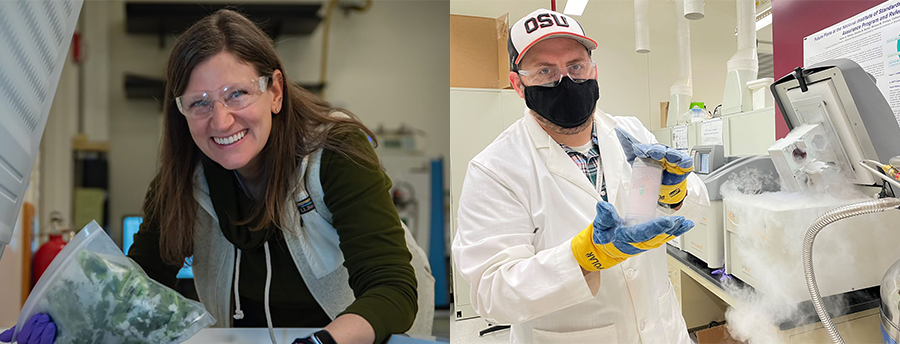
(598, 182)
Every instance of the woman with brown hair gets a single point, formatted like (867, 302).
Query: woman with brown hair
(269, 186)
(277, 196)
(244, 154)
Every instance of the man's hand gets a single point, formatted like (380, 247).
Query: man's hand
(608, 241)
(39, 329)
(676, 166)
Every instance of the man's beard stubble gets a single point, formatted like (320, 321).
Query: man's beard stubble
(560, 130)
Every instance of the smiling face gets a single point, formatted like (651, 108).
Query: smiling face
(233, 138)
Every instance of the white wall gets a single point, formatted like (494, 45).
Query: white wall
(56, 166)
(387, 65)
(95, 29)
(134, 125)
(63, 122)
(633, 84)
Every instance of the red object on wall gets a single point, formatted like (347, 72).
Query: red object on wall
(794, 19)
(45, 255)
(76, 48)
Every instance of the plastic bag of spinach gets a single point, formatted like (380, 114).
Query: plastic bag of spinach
(95, 294)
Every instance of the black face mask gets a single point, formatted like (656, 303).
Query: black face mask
(567, 105)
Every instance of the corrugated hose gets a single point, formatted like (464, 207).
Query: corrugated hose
(834, 215)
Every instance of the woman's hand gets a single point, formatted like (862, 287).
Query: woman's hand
(39, 329)
(351, 329)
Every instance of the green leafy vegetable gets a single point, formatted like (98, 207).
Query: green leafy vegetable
(99, 300)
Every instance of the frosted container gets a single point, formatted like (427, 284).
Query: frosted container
(646, 176)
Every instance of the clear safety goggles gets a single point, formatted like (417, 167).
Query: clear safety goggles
(551, 76)
(234, 97)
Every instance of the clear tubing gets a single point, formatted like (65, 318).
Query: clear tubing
(646, 176)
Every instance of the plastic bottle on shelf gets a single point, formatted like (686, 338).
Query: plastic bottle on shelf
(684, 118)
(697, 114)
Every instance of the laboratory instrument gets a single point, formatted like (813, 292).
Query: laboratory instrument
(838, 117)
(646, 176)
(842, 122)
(700, 171)
(707, 240)
(707, 159)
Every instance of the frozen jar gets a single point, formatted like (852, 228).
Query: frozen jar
(646, 176)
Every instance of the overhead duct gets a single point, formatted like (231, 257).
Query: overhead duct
(693, 9)
(682, 91)
(744, 65)
(641, 26)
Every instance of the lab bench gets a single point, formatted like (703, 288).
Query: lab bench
(704, 299)
(284, 336)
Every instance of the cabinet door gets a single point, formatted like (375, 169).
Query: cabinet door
(476, 118)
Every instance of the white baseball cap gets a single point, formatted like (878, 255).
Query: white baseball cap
(540, 25)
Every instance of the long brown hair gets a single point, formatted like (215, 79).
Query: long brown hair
(295, 132)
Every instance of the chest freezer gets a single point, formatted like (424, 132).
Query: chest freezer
(764, 235)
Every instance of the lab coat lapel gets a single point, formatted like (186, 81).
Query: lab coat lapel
(613, 158)
(558, 162)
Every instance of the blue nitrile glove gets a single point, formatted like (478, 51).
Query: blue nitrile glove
(39, 329)
(676, 166)
(608, 241)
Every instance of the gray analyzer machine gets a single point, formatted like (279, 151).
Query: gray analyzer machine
(837, 117)
(706, 240)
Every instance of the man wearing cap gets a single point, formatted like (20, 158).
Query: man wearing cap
(540, 235)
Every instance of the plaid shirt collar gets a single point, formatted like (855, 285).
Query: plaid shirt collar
(593, 153)
(589, 163)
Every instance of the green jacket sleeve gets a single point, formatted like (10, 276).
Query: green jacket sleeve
(372, 241)
(145, 249)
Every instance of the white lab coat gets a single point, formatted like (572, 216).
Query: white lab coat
(522, 201)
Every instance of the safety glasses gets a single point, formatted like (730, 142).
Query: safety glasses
(551, 76)
(234, 97)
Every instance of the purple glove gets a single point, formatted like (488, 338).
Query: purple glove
(39, 329)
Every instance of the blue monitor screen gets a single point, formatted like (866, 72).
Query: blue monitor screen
(704, 163)
(130, 226)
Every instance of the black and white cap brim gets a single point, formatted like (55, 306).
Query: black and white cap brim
(541, 25)
(587, 42)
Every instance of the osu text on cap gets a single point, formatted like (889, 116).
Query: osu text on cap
(544, 18)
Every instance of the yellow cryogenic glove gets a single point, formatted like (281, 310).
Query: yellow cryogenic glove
(608, 242)
(676, 166)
